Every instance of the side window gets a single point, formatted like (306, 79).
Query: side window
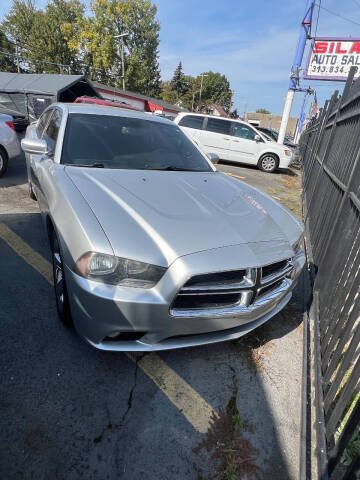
(42, 122)
(192, 121)
(243, 131)
(52, 130)
(218, 126)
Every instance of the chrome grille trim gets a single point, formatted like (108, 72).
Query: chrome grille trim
(250, 289)
(229, 310)
(277, 275)
(246, 283)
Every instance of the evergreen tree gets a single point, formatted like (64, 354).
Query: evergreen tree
(7, 61)
(178, 83)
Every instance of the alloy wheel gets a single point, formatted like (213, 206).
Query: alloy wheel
(268, 163)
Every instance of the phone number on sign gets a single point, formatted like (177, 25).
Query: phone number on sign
(330, 69)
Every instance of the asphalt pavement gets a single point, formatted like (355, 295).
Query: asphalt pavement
(68, 411)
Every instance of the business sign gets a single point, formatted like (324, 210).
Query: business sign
(331, 58)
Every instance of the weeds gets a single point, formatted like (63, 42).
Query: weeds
(232, 451)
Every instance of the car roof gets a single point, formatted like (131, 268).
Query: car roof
(95, 109)
(185, 114)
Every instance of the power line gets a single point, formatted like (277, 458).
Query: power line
(338, 15)
(36, 60)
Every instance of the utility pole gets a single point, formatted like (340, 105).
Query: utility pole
(192, 103)
(122, 36)
(295, 70)
(245, 112)
(202, 75)
(17, 55)
(231, 101)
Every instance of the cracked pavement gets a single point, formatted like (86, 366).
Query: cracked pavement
(71, 412)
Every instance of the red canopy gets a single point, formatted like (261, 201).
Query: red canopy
(152, 107)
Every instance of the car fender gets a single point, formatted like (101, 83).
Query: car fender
(268, 148)
(76, 225)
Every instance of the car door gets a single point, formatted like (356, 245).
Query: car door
(44, 164)
(216, 137)
(244, 145)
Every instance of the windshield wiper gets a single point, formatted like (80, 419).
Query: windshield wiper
(171, 168)
(89, 165)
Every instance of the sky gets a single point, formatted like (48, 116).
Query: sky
(252, 42)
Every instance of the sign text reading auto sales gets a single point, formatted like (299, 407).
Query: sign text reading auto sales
(331, 59)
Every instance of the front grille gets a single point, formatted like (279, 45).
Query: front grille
(269, 288)
(271, 273)
(214, 280)
(273, 268)
(206, 301)
(213, 291)
(224, 292)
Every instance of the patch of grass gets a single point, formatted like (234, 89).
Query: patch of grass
(232, 452)
(353, 448)
(230, 474)
(352, 451)
(237, 421)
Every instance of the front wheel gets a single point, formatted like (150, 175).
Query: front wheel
(3, 161)
(61, 295)
(268, 163)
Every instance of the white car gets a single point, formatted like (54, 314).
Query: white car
(234, 140)
(9, 143)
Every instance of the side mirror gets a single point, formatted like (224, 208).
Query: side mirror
(36, 146)
(213, 157)
(257, 138)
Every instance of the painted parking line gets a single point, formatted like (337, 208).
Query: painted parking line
(194, 408)
(235, 175)
(34, 259)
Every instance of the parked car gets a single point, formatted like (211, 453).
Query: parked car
(152, 248)
(288, 141)
(109, 103)
(9, 143)
(234, 140)
(19, 120)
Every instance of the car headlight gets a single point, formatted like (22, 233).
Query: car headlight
(118, 271)
(288, 153)
(299, 244)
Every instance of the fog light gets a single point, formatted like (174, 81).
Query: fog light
(113, 334)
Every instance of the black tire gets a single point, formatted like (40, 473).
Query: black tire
(268, 163)
(3, 161)
(31, 191)
(61, 295)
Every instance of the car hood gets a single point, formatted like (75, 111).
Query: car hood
(158, 216)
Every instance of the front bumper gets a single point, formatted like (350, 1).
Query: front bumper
(286, 161)
(100, 311)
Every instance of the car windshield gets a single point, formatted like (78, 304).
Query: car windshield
(128, 143)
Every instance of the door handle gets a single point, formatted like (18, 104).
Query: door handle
(237, 141)
(228, 139)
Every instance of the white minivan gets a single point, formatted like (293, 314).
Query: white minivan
(234, 140)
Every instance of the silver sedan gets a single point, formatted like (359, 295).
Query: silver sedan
(152, 247)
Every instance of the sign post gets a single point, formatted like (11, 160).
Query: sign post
(295, 70)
